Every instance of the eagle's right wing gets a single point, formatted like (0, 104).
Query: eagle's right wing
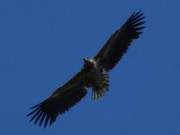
(60, 101)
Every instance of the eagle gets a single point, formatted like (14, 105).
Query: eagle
(93, 74)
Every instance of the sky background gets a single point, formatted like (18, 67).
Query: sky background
(42, 43)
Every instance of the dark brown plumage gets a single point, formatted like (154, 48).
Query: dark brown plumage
(119, 42)
(94, 74)
(60, 101)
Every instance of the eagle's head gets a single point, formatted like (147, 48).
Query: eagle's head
(88, 63)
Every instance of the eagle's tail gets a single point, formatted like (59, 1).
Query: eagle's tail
(101, 87)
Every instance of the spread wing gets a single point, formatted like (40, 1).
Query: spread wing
(118, 43)
(60, 101)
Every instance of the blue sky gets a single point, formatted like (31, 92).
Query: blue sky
(42, 45)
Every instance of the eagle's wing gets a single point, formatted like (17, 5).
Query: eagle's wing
(60, 101)
(118, 43)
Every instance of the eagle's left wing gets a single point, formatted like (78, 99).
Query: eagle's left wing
(119, 42)
(60, 101)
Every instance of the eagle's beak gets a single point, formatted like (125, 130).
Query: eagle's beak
(85, 59)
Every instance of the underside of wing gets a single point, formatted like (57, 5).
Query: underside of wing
(118, 43)
(60, 101)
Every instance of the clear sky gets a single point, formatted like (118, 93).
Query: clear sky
(42, 43)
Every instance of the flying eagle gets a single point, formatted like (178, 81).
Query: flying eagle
(93, 74)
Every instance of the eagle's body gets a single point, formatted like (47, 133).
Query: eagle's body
(93, 74)
(95, 78)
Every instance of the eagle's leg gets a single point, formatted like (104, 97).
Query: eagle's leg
(101, 86)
